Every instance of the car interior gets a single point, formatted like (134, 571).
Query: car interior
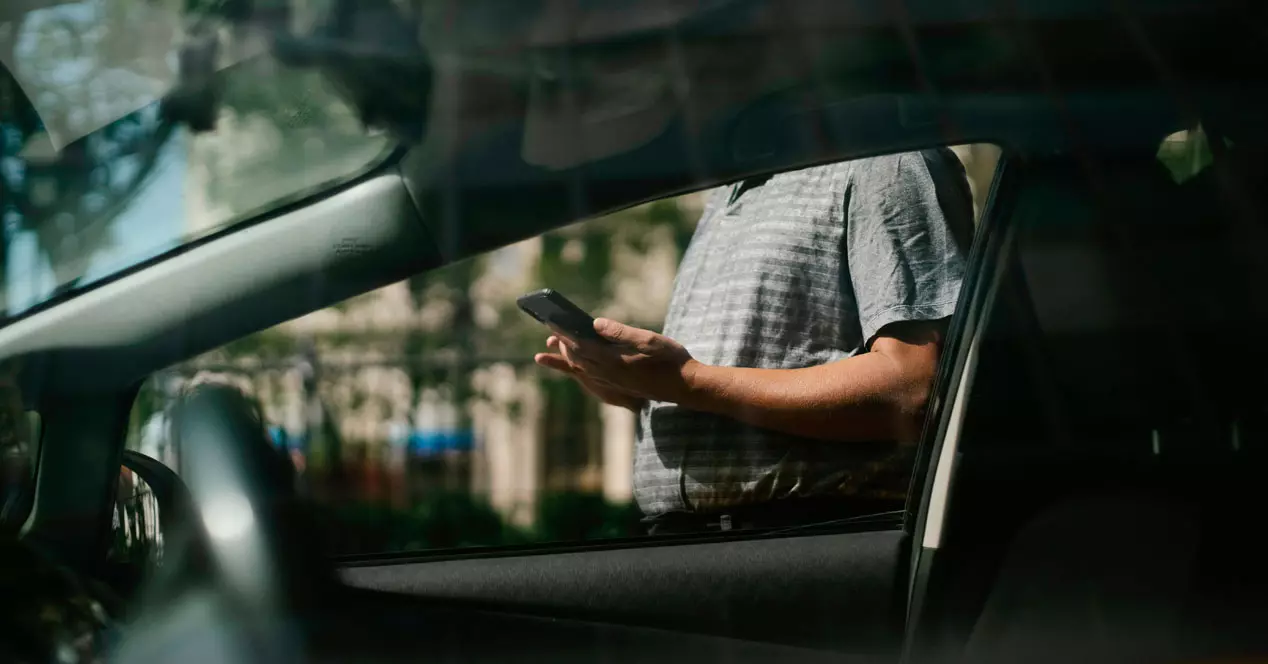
(1100, 382)
(1129, 480)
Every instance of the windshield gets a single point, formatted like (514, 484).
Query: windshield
(96, 175)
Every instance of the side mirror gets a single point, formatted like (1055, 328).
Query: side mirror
(150, 511)
(136, 536)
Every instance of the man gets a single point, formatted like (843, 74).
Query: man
(800, 345)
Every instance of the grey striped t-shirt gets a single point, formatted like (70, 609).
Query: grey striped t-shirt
(798, 271)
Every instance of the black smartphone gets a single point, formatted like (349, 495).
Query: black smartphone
(560, 314)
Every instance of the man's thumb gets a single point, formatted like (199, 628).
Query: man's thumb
(610, 329)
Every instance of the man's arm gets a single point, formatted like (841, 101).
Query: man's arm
(877, 395)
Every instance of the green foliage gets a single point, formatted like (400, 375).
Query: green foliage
(443, 521)
(578, 261)
(268, 343)
(667, 212)
(570, 423)
(575, 517)
(313, 134)
(459, 520)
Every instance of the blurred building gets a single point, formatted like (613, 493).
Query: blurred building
(400, 438)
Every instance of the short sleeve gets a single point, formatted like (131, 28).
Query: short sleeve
(903, 261)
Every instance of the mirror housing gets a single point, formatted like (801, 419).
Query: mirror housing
(151, 513)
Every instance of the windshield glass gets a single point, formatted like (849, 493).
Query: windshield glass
(96, 176)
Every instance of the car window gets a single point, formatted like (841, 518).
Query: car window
(98, 175)
(416, 418)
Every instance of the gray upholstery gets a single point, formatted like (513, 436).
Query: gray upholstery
(1096, 578)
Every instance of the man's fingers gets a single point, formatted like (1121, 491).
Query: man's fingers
(555, 362)
(576, 357)
(611, 387)
(581, 361)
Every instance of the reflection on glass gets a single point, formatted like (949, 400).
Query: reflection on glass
(93, 178)
(135, 522)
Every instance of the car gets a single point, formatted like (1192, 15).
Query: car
(1086, 484)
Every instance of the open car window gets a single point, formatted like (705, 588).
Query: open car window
(415, 418)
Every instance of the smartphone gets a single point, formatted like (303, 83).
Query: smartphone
(560, 314)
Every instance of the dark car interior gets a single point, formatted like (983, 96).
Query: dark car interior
(1105, 494)
(1105, 489)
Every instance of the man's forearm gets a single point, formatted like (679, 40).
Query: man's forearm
(868, 397)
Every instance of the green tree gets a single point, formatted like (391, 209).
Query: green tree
(69, 195)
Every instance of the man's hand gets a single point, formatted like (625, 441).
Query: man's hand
(636, 362)
(603, 392)
(641, 362)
